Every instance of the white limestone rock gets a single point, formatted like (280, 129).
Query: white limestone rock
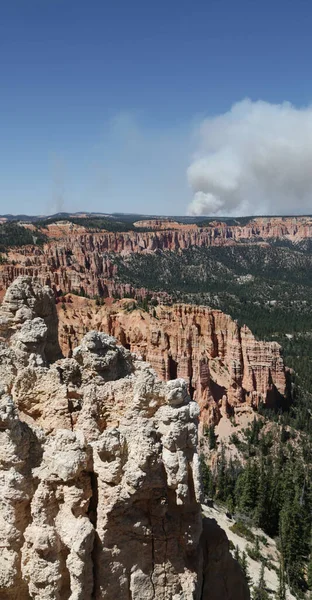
(99, 472)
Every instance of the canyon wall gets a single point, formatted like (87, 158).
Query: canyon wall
(77, 259)
(100, 485)
(224, 366)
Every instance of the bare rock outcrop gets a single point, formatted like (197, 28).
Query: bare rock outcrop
(100, 485)
(223, 364)
(28, 318)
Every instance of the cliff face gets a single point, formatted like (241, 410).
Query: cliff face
(158, 224)
(76, 258)
(216, 234)
(100, 487)
(222, 363)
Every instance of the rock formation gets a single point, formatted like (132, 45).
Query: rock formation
(100, 486)
(222, 363)
(78, 259)
(29, 310)
(158, 224)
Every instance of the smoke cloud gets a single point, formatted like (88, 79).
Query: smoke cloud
(254, 159)
(58, 192)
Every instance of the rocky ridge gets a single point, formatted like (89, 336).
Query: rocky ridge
(78, 259)
(100, 485)
(224, 366)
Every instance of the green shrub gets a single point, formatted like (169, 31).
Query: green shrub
(243, 531)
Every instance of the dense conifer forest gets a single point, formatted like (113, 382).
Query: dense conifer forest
(13, 235)
(270, 487)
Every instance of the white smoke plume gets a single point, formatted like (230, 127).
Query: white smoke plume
(254, 159)
(58, 192)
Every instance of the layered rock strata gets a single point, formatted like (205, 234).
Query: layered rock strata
(223, 364)
(100, 486)
(78, 260)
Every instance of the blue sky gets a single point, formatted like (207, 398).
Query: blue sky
(101, 102)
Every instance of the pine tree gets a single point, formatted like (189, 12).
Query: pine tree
(212, 438)
(206, 476)
(247, 487)
(260, 592)
(244, 565)
(284, 435)
(294, 528)
(237, 554)
(230, 505)
(262, 502)
(221, 475)
(281, 591)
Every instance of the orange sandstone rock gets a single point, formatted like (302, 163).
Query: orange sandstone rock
(222, 363)
(76, 258)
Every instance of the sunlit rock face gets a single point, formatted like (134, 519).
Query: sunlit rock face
(75, 258)
(100, 485)
(223, 364)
